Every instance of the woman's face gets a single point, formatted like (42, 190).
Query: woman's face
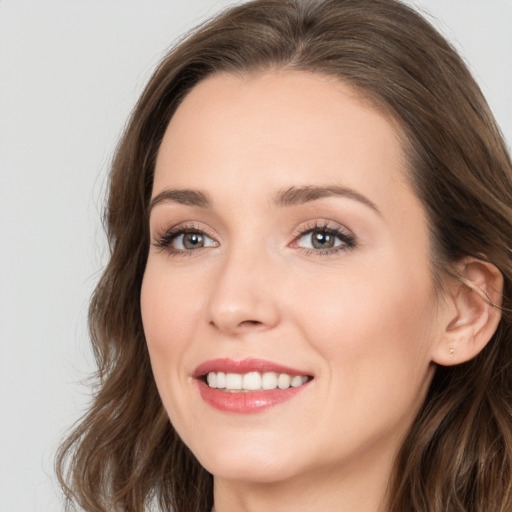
(288, 251)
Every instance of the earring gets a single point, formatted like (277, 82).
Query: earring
(451, 352)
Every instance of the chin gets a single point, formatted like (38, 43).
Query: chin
(249, 460)
(251, 470)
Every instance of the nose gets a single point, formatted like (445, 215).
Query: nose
(244, 296)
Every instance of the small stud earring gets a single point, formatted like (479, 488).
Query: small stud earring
(452, 352)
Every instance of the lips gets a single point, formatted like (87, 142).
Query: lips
(245, 366)
(248, 386)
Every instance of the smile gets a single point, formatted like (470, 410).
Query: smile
(254, 381)
(247, 386)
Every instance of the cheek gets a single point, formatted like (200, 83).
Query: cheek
(169, 308)
(169, 319)
(375, 341)
(348, 303)
(374, 325)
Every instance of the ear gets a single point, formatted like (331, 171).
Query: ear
(471, 312)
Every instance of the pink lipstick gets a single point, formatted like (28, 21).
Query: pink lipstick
(248, 386)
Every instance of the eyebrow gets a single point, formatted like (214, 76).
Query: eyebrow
(300, 195)
(186, 197)
(289, 197)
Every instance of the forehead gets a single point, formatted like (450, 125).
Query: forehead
(277, 129)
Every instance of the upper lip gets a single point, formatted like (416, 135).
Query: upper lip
(227, 365)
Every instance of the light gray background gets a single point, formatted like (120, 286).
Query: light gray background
(70, 72)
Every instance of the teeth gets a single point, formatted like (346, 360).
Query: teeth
(233, 381)
(251, 381)
(284, 381)
(296, 381)
(254, 381)
(269, 380)
(221, 380)
(211, 378)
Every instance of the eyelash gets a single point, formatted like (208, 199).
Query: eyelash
(348, 240)
(164, 240)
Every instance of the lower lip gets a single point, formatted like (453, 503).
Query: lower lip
(246, 402)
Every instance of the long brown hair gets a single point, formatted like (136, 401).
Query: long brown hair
(124, 453)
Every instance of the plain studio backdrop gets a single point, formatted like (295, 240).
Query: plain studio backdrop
(70, 72)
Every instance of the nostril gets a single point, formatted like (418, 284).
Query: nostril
(250, 323)
(244, 324)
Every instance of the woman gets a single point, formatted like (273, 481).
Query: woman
(310, 217)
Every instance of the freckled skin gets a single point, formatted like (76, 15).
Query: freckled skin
(362, 321)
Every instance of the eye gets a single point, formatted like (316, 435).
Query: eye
(319, 240)
(190, 240)
(182, 240)
(324, 239)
